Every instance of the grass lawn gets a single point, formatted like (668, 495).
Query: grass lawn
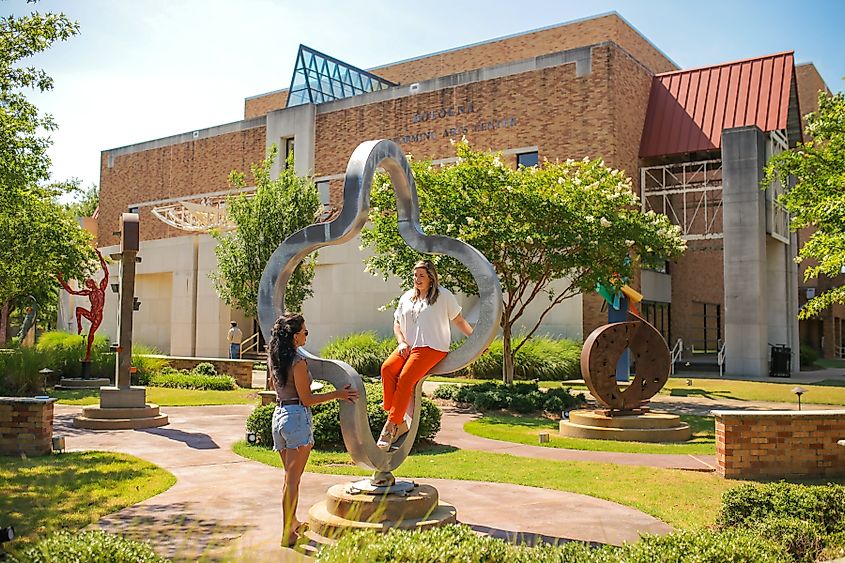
(165, 397)
(830, 363)
(71, 490)
(683, 499)
(828, 392)
(524, 430)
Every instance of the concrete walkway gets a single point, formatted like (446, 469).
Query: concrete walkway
(226, 507)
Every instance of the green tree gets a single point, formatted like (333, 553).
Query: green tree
(37, 236)
(263, 219)
(85, 200)
(578, 223)
(817, 199)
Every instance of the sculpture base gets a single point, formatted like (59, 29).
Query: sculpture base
(120, 418)
(77, 383)
(647, 427)
(417, 508)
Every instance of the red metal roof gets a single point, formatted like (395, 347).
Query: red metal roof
(688, 109)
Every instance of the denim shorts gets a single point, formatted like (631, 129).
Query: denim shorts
(292, 427)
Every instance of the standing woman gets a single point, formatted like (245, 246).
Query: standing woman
(293, 431)
(421, 326)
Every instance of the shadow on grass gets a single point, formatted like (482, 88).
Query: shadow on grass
(696, 392)
(74, 394)
(831, 383)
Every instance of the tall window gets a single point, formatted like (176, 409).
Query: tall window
(658, 314)
(527, 159)
(707, 326)
(287, 146)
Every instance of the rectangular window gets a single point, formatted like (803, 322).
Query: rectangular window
(287, 151)
(707, 327)
(527, 159)
(658, 314)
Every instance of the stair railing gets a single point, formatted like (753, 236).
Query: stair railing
(721, 360)
(250, 343)
(676, 353)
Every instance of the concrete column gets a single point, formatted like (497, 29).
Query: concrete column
(744, 216)
(299, 122)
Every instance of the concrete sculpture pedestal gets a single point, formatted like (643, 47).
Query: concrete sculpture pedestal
(644, 427)
(79, 383)
(124, 406)
(419, 508)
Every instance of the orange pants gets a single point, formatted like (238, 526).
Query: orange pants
(400, 375)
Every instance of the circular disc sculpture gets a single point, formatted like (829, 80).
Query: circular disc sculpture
(625, 416)
(357, 435)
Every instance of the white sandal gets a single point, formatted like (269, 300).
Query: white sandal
(388, 434)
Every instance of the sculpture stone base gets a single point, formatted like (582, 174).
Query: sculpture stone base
(120, 418)
(78, 383)
(343, 511)
(646, 427)
(118, 398)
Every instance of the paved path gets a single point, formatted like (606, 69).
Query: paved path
(225, 506)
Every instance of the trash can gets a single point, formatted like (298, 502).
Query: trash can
(781, 362)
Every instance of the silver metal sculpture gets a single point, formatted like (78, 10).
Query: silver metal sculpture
(369, 156)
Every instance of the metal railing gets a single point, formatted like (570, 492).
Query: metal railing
(250, 343)
(676, 353)
(721, 360)
(839, 352)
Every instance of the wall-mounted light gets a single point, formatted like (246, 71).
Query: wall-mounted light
(115, 287)
(135, 304)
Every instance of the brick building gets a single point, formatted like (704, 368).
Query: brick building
(590, 88)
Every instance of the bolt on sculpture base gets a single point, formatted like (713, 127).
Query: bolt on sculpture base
(124, 406)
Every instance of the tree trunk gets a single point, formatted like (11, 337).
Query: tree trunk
(507, 355)
(4, 321)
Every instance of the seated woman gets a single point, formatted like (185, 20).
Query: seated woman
(293, 429)
(421, 326)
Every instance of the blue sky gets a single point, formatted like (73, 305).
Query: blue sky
(142, 70)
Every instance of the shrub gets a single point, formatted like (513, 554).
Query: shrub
(19, 372)
(147, 362)
(749, 503)
(460, 543)
(326, 416)
(90, 546)
(834, 547)
(541, 357)
(187, 380)
(205, 368)
(64, 351)
(808, 355)
(364, 351)
(521, 397)
(803, 540)
(446, 391)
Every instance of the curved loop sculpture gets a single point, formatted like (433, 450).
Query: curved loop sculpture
(602, 351)
(369, 156)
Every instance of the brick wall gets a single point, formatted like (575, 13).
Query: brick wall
(26, 426)
(524, 46)
(772, 444)
(179, 169)
(241, 370)
(697, 277)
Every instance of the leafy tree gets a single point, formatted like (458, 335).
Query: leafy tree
(263, 219)
(85, 201)
(37, 236)
(817, 200)
(577, 222)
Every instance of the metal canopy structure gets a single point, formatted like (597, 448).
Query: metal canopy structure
(198, 217)
(319, 78)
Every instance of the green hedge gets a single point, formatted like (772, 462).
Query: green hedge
(522, 397)
(183, 379)
(19, 372)
(542, 357)
(807, 520)
(63, 351)
(327, 433)
(461, 544)
(807, 355)
(89, 547)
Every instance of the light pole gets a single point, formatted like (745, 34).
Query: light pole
(799, 391)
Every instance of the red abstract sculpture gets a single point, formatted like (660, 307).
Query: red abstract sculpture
(97, 296)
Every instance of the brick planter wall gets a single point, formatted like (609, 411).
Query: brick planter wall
(770, 444)
(26, 426)
(241, 370)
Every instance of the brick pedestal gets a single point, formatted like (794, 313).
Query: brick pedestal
(26, 426)
(771, 444)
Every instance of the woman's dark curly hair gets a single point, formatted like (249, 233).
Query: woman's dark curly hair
(282, 349)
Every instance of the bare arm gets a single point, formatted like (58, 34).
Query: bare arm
(462, 324)
(105, 281)
(68, 288)
(403, 347)
(303, 388)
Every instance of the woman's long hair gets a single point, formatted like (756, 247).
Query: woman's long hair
(282, 349)
(434, 288)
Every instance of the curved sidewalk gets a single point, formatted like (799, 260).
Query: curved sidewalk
(224, 506)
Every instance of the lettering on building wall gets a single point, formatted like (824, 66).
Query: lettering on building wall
(452, 132)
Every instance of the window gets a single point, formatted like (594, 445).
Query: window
(659, 315)
(707, 327)
(527, 159)
(287, 147)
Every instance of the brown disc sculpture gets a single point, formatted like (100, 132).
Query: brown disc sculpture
(602, 351)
